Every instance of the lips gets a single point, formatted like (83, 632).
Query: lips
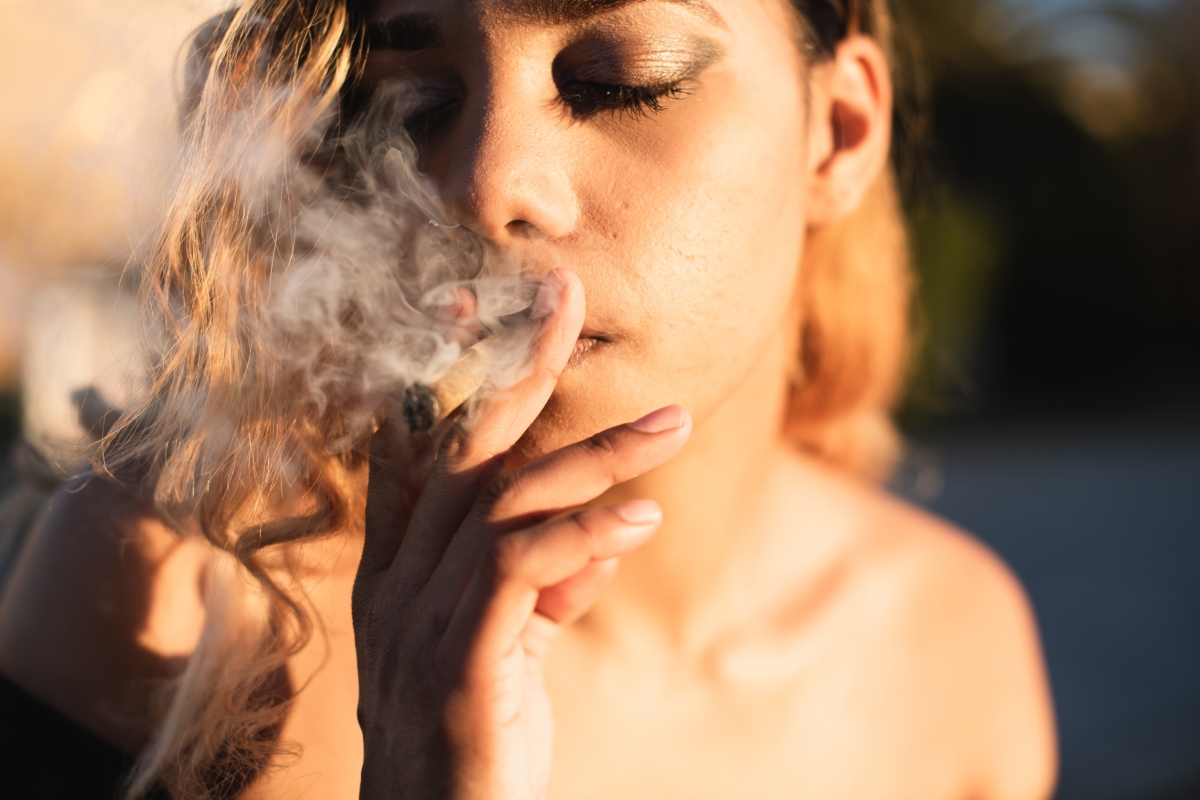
(584, 346)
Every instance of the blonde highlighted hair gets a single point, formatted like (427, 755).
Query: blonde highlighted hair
(855, 287)
(229, 452)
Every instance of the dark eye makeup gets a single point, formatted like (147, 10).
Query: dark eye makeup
(603, 71)
(437, 107)
(588, 99)
(628, 76)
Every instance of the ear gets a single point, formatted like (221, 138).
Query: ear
(849, 128)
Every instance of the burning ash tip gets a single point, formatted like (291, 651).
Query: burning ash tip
(421, 408)
(427, 404)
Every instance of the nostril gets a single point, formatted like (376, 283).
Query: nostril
(520, 227)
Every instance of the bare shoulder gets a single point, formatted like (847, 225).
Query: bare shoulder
(969, 628)
(81, 615)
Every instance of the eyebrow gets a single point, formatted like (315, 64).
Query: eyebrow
(562, 12)
(419, 31)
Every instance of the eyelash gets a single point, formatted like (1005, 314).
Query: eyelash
(430, 116)
(588, 99)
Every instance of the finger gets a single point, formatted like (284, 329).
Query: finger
(583, 471)
(398, 465)
(563, 479)
(503, 416)
(471, 455)
(456, 317)
(567, 601)
(504, 589)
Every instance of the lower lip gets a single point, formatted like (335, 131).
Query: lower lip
(584, 347)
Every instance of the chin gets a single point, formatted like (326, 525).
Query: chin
(586, 400)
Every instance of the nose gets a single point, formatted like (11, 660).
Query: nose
(508, 178)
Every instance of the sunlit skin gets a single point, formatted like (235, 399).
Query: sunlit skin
(776, 629)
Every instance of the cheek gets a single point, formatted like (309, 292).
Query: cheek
(700, 220)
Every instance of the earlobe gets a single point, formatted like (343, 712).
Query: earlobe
(850, 128)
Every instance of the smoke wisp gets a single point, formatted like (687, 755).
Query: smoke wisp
(371, 286)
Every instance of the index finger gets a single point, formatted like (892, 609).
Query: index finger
(473, 451)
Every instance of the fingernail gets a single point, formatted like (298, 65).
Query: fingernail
(548, 295)
(664, 419)
(639, 512)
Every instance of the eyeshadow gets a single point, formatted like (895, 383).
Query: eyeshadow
(615, 58)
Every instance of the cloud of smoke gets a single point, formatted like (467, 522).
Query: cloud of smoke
(352, 310)
(356, 310)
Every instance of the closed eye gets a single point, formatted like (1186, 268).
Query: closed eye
(586, 98)
(434, 109)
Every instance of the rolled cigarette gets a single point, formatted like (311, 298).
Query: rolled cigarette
(425, 405)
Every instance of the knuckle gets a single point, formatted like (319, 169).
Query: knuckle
(497, 491)
(454, 445)
(587, 528)
(381, 606)
(601, 444)
(506, 555)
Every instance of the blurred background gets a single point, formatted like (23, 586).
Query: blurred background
(1055, 407)
(1056, 209)
(1052, 170)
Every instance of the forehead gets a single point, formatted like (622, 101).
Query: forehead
(545, 12)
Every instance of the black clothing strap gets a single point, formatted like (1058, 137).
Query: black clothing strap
(44, 755)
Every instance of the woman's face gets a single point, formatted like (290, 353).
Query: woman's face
(657, 148)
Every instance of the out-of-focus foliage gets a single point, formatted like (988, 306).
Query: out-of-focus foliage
(1056, 209)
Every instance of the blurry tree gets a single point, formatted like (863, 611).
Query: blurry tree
(1055, 209)
(1158, 151)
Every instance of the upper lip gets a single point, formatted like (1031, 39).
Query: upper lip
(591, 333)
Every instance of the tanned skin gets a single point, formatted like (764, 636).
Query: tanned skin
(777, 628)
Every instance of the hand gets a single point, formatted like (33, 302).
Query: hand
(469, 571)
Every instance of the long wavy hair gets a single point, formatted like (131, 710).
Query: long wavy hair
(231, 453)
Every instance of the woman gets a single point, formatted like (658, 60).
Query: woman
(703, 187)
